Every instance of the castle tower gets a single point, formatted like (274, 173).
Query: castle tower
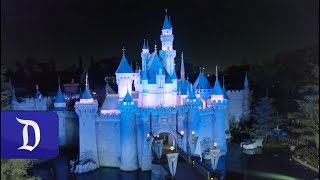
(219, 105)
(86, 109)
(167, 52)
(144, 55)
(124, 76)
(194, 106)
(246, 101)
(128, 135)
(182, 73)
(60, 108)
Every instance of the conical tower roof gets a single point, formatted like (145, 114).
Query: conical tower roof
(166, 23)
(127, 98)
(59, 97)
(202, 82)
(217, 90)
(225, 95)
(192, 94)
(86, 93)
(124, 66)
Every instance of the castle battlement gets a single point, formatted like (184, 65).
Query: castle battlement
(235, 94)
(108, 116)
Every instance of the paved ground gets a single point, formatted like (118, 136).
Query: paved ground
(184, 169)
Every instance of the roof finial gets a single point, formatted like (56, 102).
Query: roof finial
(166, 10)
(87, 79)
(58, 81)
(147, 44)
(123, 50)
(216, 71)
(155, 46)
(37, 87)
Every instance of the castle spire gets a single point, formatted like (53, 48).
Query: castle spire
(86, 93)
(14, 99)
(246, 82)
(166, 23)
(144, 44)
(216, 71)
(217, 88)
(123, 51)
(59, 97)
(182, 73)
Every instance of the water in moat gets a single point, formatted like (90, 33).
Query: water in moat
(236, 165)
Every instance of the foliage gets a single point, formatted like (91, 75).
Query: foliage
(265, 117)
(305, 122)
(241, 132)
(11, 168)
(308, 154)
(5, 89)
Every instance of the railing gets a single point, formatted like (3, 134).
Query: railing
(183, 154)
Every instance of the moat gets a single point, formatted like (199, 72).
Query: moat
(238, 165)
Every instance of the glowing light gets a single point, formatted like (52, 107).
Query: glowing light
(182, 133)
(215, 144)
(193, 132)
(171, 148)
(158, 136)
(148, 135)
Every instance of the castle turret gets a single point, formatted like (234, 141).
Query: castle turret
(194, 106)
(219, 105)
(128, 134)
(86, 109)
(124, 76)
(144, 55)
(246, 100)
(167, 52)
(60, 107)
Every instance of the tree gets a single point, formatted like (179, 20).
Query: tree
(11, 168)
(265, 117)
(305, 122)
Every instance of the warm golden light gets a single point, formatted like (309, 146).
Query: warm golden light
(171, 148)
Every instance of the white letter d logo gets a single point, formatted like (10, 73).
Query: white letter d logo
(36, 129)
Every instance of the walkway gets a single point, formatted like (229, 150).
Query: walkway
(184, 169)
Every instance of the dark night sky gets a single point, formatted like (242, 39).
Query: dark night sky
(209, 33)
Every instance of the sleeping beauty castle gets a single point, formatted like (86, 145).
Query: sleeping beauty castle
(150, 100)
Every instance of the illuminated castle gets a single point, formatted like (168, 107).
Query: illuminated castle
(120, 131)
